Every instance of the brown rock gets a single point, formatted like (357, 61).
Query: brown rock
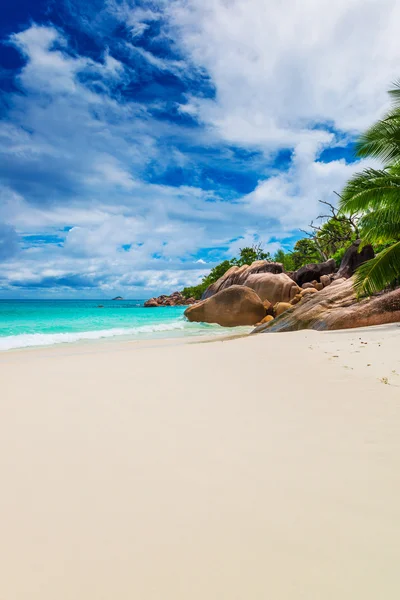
(239, 276)
(281, 307)
(175, 299)
(296, 299)
(267, 305)
(152, 303)
(308, 291)
(266, 319)
(336, 307)
(275, 288)
(236, 305)
(325, 280)
(307, 286)
(319, 287)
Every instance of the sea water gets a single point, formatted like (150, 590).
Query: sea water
(25, 323)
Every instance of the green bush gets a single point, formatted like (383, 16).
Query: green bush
(195, 291)
(335, 237)
(338, 256)
(286, 259)
(246, 257)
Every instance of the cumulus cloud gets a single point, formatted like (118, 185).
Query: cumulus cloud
(292, 197)
(137, 167)
(280, 68)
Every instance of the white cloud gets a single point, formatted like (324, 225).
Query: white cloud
(74, 159)
(291, 197)
(48, 70)
(279, 67)
(108, 171)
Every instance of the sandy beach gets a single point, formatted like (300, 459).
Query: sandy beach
(266, 467)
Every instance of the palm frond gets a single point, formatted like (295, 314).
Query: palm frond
(381, 225)
(382, 140)
(378, 273)
(369, 189)
(395, 93)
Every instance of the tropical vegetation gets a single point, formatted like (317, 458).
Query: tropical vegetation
(375, 194)
(331, 239)
(246, 256)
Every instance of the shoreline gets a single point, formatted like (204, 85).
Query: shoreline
(265, 466)
(128, 341)
(130, 338)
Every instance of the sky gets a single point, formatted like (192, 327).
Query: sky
(142, 142)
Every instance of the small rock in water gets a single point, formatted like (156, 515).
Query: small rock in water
(175, 299)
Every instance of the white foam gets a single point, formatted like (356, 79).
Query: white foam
(26, 340)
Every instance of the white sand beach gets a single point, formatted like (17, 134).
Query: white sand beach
(259, 468)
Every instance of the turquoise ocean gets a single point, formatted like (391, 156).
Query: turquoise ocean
(25, 323)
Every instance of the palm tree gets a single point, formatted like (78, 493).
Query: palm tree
(376, 194)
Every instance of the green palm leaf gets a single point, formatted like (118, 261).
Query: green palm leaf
(375, 193)
(370, 189)
(382, 140)
(381, 225)
(395, 93)
(378, 273)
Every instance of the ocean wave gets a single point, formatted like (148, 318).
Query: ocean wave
(26, 340)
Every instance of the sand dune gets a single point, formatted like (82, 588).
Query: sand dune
(259, 468)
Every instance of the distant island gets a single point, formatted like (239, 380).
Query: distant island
(118, 298)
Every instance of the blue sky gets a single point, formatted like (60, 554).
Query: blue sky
(144, 141)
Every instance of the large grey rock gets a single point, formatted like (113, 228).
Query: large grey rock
(353, 258)
(314, 271)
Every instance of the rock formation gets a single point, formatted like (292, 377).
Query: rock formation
(152, 303)
(305, 286)
(268, 307)
(306, 291)
(274, 288)
(175, 299)
(313, 297)
(240, 275)
(266, 319)
(325, 280)
(271, 283)
(281, 307)
(314, 272)
(353, 258)
(336, 307)
(236, 305)
(265, 278)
